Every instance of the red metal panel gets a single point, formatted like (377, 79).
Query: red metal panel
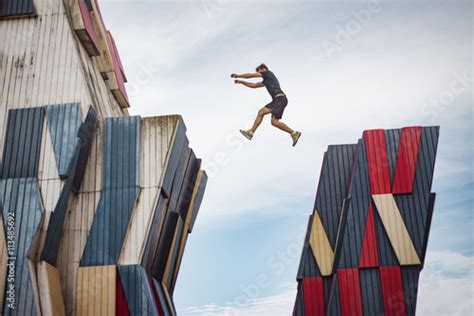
(86, 18)
(377, 161)
(392, 291)
(406, 160)
(157, 299)
(313, 296)
(118, 70)
(369, 256)
(121, 305)
(349, 292)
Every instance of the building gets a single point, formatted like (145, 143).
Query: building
(366, 239)
(96, 205)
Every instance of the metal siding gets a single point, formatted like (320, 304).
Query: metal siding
(369, 256)
(189, 183)
(334, 304)
(349, 291)
(298, 309)
(308, 267)
(22, 143)
(392, 291)
(178, 178)
(64, 121)
(21, 196)
(164, 246)
(137, 290)
(15, 8)
(387, 255)
(121, 307)
(174, 253)
(406, 161)
(392, 139)
(198, 199)
(168, 309)
(377, 161)
(410, 276)
(86, 136)
(371, 292)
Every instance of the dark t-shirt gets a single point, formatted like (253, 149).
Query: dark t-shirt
(271, 83)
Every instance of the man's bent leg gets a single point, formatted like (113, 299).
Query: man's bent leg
(261, 113)
(282, 126)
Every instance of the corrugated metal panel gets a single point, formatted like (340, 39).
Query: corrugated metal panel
(298, 309)
(320, 246)
(22, 143)
(406, 161)
(334, 304)
(165, 302)
(369, 256)
(164, 246)
(313, 296)
(387, 255)
(86, 136)
(377, 161)
(392, 291)
(137, 290)
(392, 139)
(52, 302)
(198, 196)
(349, 292)
(179, 178)
(117, 77)
(121, 308)
(333, 186)
(189, 183)
(21, 197)
(168, 278)
(371, 292)
(64, 121)
(96, 287)
(16, 8)
(308, 266)
(410, 276)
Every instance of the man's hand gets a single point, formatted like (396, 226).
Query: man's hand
(234, 76)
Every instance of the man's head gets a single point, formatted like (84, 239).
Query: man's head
(261, 68)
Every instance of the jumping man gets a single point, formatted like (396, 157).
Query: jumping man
(276, 107)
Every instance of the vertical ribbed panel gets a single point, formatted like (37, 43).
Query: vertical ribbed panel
(138, 290)
(179, 178)
(313, 296)
(406, 160)
(189, 183)
(308, 266)
(392, 140)
(371, 292)
(96, 291)
(121, 188)
(21, 150)
(410, 276)
(15, 8)
(198, 196)
(168, 278)
(334, 303)
(369, 256)
(164, 246)
(20, 198)
(64, 121)
(350, 292)
(298, 309)
(121, 308)
(164, 299)
(332, 187)
(392, 291)
(377, 161)
(49, 284)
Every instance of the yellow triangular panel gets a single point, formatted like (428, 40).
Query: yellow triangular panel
(396, 230)
(321, 247)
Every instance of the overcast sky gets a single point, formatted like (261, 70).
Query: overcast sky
(346, 66)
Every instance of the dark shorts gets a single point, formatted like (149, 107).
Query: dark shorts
(277, 106)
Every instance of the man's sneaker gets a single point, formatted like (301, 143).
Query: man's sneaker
(247, 134)
(295, 136)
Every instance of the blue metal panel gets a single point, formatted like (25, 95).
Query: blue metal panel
(334, 305)
(22, 146)
(392, 142)
(85, 134)
(122, 152)
(189, 183)
(16, 8)
(179, 178)
(21, 197)
(137, 290)
(198, 200)
(298, 309)
(333, 185)
(178, 145)
(371, 291)
(64, 121)
(308, 266)
(174, 253)
(167, 309)
(387, 256)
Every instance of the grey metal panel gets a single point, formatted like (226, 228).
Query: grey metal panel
(64, 121)
(198, 200)
(333, 186)
(189, 183)
(392, 143)
(122, 152)
(85, 134)
(109, 226)
(164, 245)
(174, 253)
(371, 291)
(308, 266)
(410, 276)
(154, 233)
(179, 178)
(334, 305)
(22, 143)
(387, 256)
(177, 147)
(21, 197)
(298, 309)
(16, 8)
(137, 290)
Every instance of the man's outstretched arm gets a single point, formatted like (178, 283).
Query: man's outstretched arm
(250, 84)
(247, 76)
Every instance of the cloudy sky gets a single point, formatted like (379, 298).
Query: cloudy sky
(346, 66)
